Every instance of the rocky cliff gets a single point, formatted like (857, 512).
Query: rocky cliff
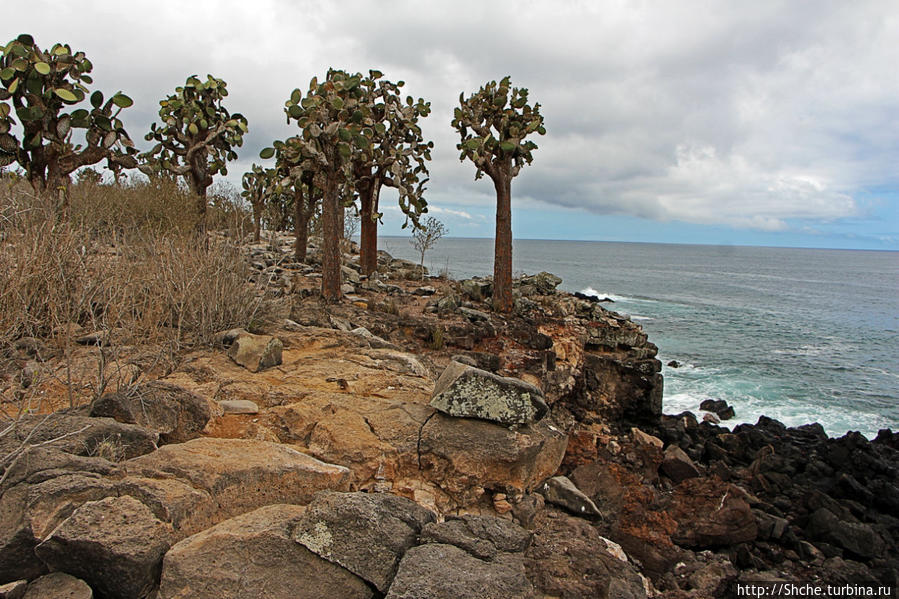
(409, 442)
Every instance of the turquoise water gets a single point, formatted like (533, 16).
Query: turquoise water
(799, 335)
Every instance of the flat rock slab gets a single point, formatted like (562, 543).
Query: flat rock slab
(256, 352)
(677, 465)
(239, 406)
(243, 474)
(483, 537)
(365, 533)
(58, 585)
(13, 590)
(115, 544)
(254, 555)
(438, 571)
(468, 392)
(175, 413)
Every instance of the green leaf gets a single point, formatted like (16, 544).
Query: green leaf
(472, 144)
(507, 146)
(344, 150)
(294, 111)
(122, 101)
(194, 130)
(344, 134)
(337, 103)
(97, 99)
(4, 111)
(7, 73)
(541, 130)
(65, 94)
(42, 67)
(267, 153)
(25, 39)
(14, 85)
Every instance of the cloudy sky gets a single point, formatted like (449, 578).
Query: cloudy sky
(763, 122)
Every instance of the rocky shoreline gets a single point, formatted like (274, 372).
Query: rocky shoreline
(409, 442)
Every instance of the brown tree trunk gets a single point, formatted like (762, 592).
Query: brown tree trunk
(301, 224)
(199, 181)
(368, 236)
(257, 217)
(502, 254)
(331, 221)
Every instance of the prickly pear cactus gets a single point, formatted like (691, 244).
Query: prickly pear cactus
(40, 127)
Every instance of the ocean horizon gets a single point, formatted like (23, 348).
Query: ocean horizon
(797, 334)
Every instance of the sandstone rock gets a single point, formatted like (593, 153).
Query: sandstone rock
(677, 465)
(858, 538)
(115, 544)
(13, 590)
(241, 474)
(645, 439)
(465, 456)
(347, 289)
(254, 555)
(373, 340)
(566, 558)
(256, 352)
(468, 392)
(543, 283)
(58, 585)
(175, 413)
(81, 435)
(227, 338)
(330, 527)
(350, 275)
(559, 490)
(483, 537)
(437, 571)
(238, 406)
(710, 513)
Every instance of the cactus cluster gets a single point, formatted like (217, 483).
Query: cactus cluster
(40, 90)
(258, 185)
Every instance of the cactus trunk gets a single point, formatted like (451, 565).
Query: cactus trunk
(301, 224)
(368, 239)
(331, 209)
(502, 257)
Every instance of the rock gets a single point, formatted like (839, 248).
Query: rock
(425, 291)
(330, 527)
(373, 340)
(710, 513)
(544, 283)
(857, 538)
(477, 290)
(242, 474)
(711, 418)
(32, 347)
(567, 558)
(559, 490)
(474, 315)
(465, 456)
(447, 304)
(347, 289)
(175, 413)
(677, 465)
(81, 435)
(438, 571)
(58, 585)
(483, 537)
(227, 338)
(256, 352)
(238, 406)
(674, 364)
(467, 392)
(645, 439)
(350, 275)
(719, 407)
(13, 590)
(254, 555)
(115, 544)
(100, 338)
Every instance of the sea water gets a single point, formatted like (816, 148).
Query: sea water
(799, 335)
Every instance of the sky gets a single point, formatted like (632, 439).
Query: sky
(749, 123)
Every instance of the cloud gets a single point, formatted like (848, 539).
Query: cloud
(754, 115)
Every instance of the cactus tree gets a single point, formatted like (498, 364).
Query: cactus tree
(336, 121)
(197, 136)
(396, 158)
(41, 88)
(493, 124)
(258, 186)
(295, 176)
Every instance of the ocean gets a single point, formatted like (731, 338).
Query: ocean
(799, 335)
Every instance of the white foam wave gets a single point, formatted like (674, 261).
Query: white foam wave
(638, 317)
(600, 295)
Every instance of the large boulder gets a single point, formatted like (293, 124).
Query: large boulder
(439, 571)
(242, 474)
(254, 555)
(175, 413)
(857, 538)
(366, 533)
(80, 435)
(559, 490)
(468, 392)
(710, 513)
(677, 465)
(256, 352)
(115, 544)
(543, 283)
(464, 456)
